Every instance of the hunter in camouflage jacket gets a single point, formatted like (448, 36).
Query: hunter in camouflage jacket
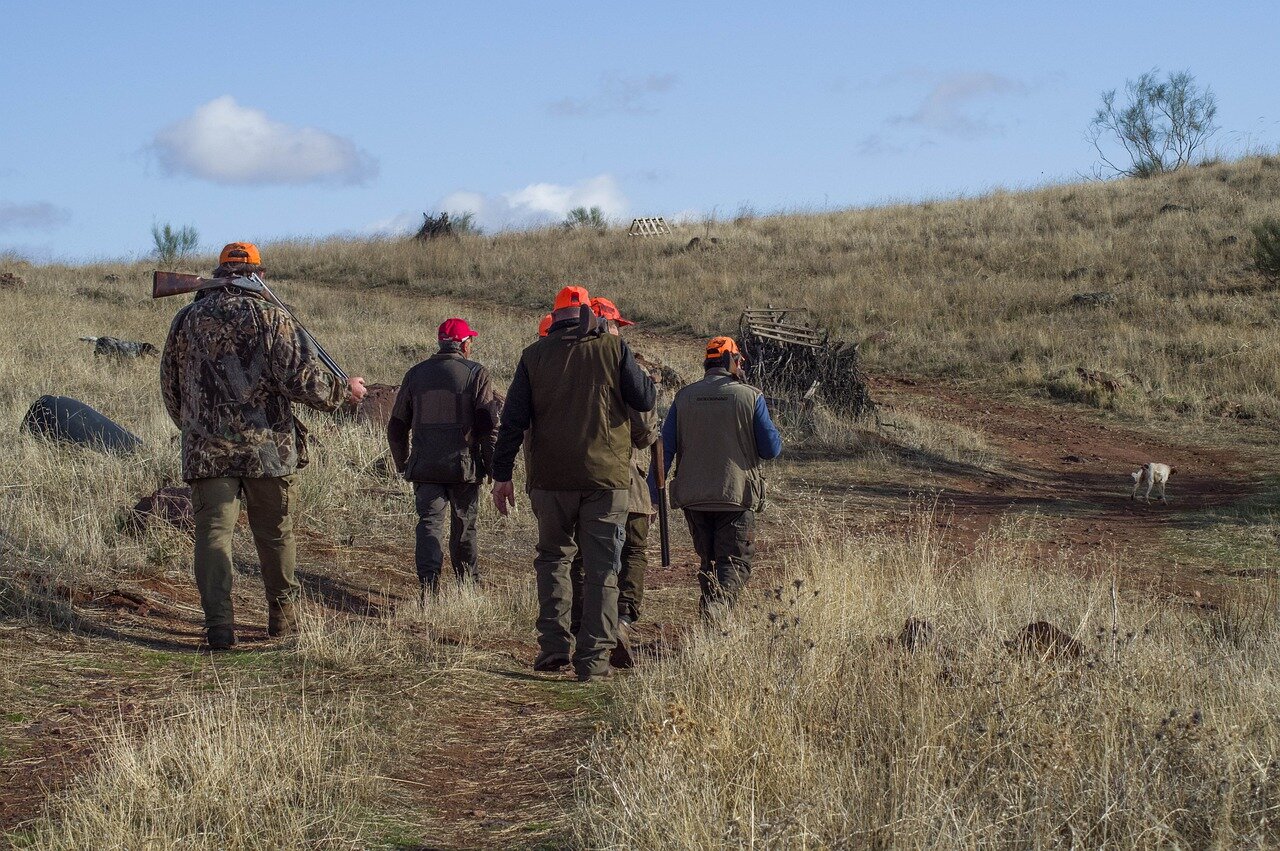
(232, 366)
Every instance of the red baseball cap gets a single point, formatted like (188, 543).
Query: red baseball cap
(455, 330)
(572, 297)
(606, 309)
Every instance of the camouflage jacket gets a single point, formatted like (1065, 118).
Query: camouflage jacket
(232, 366)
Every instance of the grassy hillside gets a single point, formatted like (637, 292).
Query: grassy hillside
(985, 499)
(975, 289)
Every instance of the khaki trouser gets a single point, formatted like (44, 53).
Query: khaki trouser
(725, 543)
(635, 559)
(598, 519)
(217, 507)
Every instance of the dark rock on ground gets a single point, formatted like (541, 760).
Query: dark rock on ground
(67, 420)
(1043, 640)
(376, 406)
(170, 505)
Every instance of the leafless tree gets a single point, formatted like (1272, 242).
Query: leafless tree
(1161, 128)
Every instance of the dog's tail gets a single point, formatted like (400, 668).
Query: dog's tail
(88, 339)
(1136, 474)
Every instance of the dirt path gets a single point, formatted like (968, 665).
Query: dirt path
(1071, 468)
(490, 761)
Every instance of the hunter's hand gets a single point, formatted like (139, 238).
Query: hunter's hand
(504, 497)
(356, 390)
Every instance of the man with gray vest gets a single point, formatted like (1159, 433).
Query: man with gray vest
(442, 433)
(717, 431)
(571, 392)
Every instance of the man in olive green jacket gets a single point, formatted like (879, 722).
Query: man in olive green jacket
(718, 430)
(571, 392)
(635, 558)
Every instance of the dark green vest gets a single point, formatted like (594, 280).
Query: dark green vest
(580, 438)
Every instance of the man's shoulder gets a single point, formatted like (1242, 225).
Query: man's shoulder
(234, 303)
(722, 386)
(474, 366)
(444, 365)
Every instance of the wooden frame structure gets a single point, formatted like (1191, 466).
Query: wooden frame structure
(649, 226)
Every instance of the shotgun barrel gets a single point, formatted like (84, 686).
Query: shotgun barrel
(164, 284)
(664, 524)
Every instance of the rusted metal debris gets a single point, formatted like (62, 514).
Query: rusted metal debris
(795, 361)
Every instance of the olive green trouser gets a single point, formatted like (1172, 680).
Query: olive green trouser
(598, 519)
(634, 561)
(217, 507)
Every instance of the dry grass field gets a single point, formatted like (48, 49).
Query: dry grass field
(990, 494)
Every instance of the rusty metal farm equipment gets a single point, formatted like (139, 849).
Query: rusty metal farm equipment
(797, 363)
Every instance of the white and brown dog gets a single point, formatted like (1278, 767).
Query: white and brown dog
(1151, 475)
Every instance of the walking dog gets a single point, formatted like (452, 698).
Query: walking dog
(1152, 475)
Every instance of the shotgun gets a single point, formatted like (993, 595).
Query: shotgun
(660, 477)
(165, 284)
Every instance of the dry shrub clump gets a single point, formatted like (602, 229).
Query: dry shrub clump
(808, 722)
(224, 771)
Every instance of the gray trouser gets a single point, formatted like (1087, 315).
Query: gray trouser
(462, 503)
(634, 560)
(216, 504)
(598, 518)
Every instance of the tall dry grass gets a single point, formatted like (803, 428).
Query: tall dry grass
(453, 630)
(801, 725)
(221, 772)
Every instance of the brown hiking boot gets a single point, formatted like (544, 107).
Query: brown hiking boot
(621, 656)
(282, 619)
(220, 638)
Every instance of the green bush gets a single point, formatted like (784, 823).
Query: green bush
(171, 245)
(1266, 247)
(580, 218)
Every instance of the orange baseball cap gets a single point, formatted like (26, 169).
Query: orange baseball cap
(722, 346)
(606, 309)
(545, 325)
(572, 297)
(240, 252)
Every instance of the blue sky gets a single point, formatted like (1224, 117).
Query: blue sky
(258, 121)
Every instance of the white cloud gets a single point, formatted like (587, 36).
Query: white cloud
(616, 95)
(946, 106)
(224, 142)
(39, 216)
(689, 216)
(538, 204)
(397, 225)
